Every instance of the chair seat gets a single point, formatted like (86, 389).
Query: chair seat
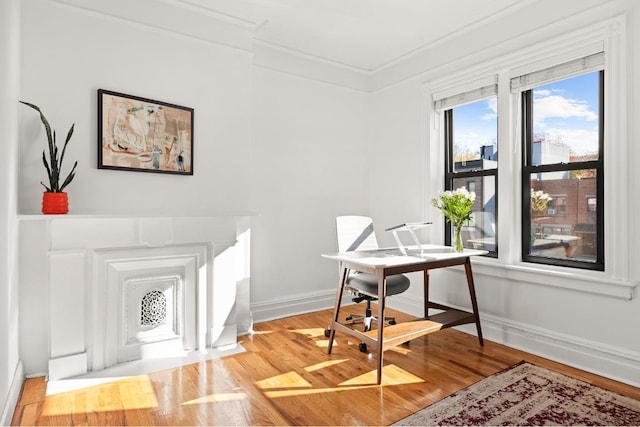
(368, 283)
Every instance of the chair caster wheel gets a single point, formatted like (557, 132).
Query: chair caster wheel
(327, 333)
(392, 322)
(362, 347)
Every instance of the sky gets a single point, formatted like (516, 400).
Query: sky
(564, 111)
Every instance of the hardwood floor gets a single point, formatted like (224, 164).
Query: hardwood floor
(285, 377)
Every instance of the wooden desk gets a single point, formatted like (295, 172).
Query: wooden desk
(387, 262)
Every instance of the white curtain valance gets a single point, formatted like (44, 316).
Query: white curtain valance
(465, 94)
(565, 70)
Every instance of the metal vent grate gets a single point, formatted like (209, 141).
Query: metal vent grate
(153, 308)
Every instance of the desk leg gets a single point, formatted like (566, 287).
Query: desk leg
(474, 301)
(336, 310)
(382, 293)
(426, 293)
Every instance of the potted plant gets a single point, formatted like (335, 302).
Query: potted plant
(54, 200)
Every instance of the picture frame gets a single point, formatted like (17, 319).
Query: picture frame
(144, 135)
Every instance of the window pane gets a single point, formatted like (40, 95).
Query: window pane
(480, 233)
(566, 121)
(563, 215)
(475, 135)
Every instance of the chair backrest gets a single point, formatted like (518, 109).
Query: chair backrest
(355, 233)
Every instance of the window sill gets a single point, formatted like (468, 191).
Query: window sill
(558, 277)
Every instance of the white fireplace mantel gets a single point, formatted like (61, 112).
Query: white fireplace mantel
(70, 265)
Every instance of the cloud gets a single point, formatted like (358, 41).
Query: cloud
(554, 106)
(581, 141)
(492, 105)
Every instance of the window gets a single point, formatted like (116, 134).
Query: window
(471, 186)
(557, 205)
(529, 83)
(472, 162)
(562, 132)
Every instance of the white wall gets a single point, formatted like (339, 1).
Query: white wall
(68, 53)
(595, 332)
(10, 373)
(310, 145)
(291, 149)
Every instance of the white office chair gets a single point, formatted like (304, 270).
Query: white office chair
(357, 233)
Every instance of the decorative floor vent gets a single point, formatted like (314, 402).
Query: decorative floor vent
(153, 309)
(153, 305)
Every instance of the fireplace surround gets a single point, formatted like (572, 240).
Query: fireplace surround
(98, 291)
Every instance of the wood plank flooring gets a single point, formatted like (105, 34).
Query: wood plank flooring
(286, 378)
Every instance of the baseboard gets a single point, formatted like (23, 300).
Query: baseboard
(67, 366)
(262, 311)
(608, 361)
(12, 396)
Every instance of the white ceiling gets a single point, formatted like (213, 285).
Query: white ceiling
(361, 34)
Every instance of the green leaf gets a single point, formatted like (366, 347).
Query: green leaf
(54, 164)
(69, 177)
(64, 147)
(47, 188)
(46, 165)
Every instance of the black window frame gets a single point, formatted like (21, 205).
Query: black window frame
(528, 169)
(451, 174)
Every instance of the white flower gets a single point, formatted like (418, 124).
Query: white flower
(456, 205)
(539, 200)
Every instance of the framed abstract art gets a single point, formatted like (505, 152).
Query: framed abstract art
(144, 135)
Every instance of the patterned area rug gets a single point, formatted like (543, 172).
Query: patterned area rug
(526, 394)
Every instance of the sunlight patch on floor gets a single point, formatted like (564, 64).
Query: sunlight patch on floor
(217, 397)
(292, 384)
(391, 375)
(311, 333)
(289, 393)
(137, 367)
(253, 332)
(128, 394)
(326, 364)
(290, 379)
(325, 343)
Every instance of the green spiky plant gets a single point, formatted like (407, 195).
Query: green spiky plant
(54, 164)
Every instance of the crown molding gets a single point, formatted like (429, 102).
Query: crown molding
(274, 57)
(453, 35)
(173, 17)
(439, 61)
(194, 6)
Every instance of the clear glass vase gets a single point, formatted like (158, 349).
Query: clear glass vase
(457, 241)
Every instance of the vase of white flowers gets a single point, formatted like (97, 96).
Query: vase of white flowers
(456, 207)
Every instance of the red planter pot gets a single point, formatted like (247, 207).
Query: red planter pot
(55, 203)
